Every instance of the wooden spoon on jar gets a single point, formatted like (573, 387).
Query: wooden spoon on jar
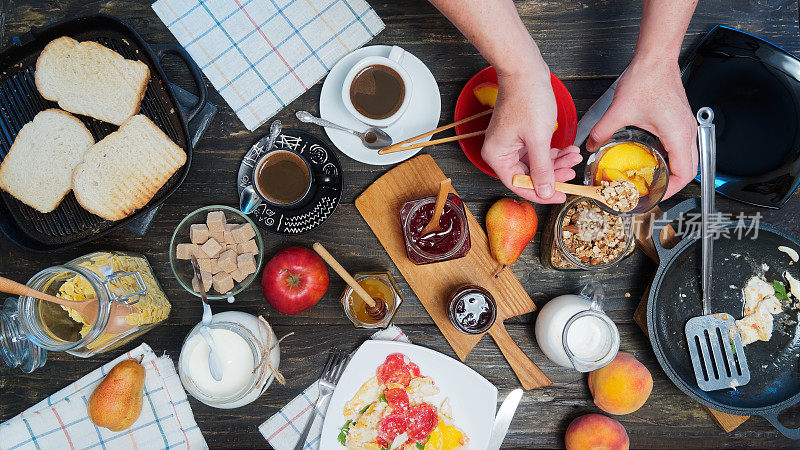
(376, 307)
(88, 309)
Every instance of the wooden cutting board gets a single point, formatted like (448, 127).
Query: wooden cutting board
(643, 225)
(435, 283)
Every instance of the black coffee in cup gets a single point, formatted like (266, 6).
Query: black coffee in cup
(377, 91)
(282, 177)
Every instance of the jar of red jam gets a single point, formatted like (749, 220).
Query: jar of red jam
(472, 309)
(450, 243)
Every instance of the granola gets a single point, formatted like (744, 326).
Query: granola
(592, 236)
(620, 195)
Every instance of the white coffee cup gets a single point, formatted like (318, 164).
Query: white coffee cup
(393, 61)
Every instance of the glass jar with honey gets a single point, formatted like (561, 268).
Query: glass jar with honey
(379, 285)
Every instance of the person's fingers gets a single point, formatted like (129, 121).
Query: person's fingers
(564, 174)
(541, 165)
(614, 119)
(567, 159)
(681, 145)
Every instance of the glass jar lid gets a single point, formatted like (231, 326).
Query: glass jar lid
(17, 350)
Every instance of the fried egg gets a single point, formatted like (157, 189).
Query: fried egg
(364, 431)
(369, 392)
(760, 304)
(421, 387)
(446, 437)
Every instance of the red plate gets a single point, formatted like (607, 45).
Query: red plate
(467, 105)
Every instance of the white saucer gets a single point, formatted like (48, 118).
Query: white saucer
(421, 116)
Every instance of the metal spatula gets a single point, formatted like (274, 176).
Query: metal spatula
(715, 345)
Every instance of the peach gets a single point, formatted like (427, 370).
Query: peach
(629, 158)
(486, 93)
(641, 184)
(621, 387)
(614, 174)
(596, 431)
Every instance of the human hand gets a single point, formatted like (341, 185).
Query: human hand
(650, 95)
(518, 138)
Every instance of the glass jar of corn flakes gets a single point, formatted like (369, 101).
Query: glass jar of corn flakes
(30, 327)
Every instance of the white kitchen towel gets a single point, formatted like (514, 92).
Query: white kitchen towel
(262, 54)
(61, 420)
(284, 428)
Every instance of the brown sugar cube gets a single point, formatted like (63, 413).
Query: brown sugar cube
(223, 282)
(216, 224)
(198, 233)
(243, 233)
(208, 280)
(215, 269)
(248, 247)
(233, 247)
(211, 248)
(230, 226)
(206, 264)
(246, 263)
(227, 237)
(227, 261)
(216, 217)
(185, 251)
(238, 275)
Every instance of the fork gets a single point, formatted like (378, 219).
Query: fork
(337, 361)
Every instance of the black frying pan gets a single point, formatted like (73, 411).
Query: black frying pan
(675, 298)
(69, 224)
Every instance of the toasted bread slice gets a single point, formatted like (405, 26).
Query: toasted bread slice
(87, 78)
(123, 172)
(38, 169)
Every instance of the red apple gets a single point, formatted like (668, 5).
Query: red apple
(294, 280)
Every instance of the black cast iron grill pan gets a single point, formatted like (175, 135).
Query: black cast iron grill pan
(675, 298)
(69, 224)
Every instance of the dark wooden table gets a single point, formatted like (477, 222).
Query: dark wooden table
(587, 44)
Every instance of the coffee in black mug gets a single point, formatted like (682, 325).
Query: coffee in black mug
(284, 178)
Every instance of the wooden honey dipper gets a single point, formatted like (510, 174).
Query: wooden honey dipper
(376, 308)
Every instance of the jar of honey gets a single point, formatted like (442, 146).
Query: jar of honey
(380, 286)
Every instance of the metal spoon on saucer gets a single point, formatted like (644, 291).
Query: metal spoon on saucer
(214, 364)
(249, 199)
(372, 138)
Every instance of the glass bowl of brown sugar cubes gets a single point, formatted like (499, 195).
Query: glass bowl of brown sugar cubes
(228, 248)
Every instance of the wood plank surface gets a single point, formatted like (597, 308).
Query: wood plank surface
(587, 43)
(434, 284)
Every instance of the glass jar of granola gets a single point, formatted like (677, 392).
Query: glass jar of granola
(581, 236)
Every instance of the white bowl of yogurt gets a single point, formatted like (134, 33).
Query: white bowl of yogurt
(245, 371)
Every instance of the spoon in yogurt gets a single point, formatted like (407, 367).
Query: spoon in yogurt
(214, 364)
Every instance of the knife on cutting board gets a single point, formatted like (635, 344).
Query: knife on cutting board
(595, 112)
(503, 419)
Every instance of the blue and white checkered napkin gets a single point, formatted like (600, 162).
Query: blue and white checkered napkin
(283, 429)
(262, 54)
(61, 420)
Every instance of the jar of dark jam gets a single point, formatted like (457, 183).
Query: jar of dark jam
(472, 310)
(450, 243)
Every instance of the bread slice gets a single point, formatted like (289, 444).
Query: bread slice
(38, 169)
(122, 172)
(87, 78)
